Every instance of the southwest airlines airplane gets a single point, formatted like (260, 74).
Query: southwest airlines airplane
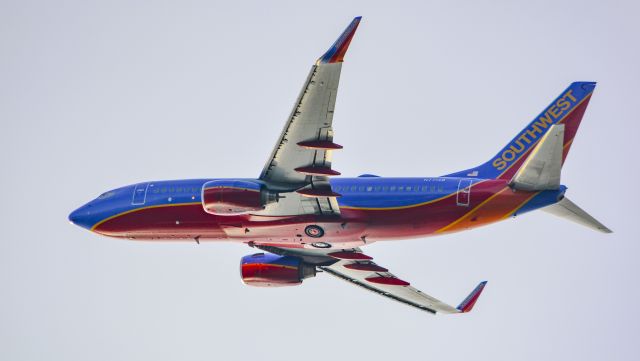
(305, 220)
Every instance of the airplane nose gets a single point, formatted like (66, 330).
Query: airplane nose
(80, 217)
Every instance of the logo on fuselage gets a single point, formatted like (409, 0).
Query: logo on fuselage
(530, 135)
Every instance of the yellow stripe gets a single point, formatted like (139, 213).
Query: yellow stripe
(466, 215)
(140, 209)
(399, 207)
(558, 122)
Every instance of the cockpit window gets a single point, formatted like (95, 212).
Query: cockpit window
(106, 195)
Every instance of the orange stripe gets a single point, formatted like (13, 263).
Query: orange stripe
(468, 214)
(519, 206)
(401, 207)
(568, 143)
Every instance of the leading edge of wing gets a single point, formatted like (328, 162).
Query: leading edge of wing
(337, 51)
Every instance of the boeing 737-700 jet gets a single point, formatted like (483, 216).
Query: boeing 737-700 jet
(304, 219)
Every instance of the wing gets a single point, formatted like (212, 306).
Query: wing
(359, 269)
(301, 158)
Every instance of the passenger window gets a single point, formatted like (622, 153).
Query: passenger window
(378, 188)
(385, 188)
(401, 188)
(369, 188)
(393, 188)
(424, 188)
(408, 188)
(361, 188)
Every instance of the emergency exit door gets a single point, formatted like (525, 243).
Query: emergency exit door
(463, 198)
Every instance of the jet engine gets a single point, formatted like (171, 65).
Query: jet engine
(269, 270)
(233, 197)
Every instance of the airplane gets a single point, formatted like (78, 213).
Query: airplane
(305, 220)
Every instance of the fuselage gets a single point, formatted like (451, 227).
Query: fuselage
(371, 208)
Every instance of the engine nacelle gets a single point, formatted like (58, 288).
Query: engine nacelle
(269, 270)
(233, 197)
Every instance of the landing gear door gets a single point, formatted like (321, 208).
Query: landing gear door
(464, 192)
(140, 194)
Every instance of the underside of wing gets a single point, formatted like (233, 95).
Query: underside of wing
(301, 159)
(304, 147)
(363, 272)
(359, 269)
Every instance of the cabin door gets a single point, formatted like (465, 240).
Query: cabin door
(140, 194)
(464, 192)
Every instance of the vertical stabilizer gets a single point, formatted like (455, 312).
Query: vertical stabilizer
(568, 109)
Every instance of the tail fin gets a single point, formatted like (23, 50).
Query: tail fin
(567, 109)
(570, 211)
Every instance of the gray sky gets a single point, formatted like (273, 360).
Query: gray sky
(94, 95)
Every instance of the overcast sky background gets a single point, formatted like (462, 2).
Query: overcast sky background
(95, 95)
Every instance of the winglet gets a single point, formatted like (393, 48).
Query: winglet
(336, 52)
(468, 302)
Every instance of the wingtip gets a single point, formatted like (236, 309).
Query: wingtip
(337, 51)
(470, 301)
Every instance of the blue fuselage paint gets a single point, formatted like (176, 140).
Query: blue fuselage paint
(359, 195)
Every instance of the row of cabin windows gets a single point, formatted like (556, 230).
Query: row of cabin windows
(174, 190)
(432, 188)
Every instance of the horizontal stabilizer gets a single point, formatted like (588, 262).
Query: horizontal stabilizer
(570, 211)
(541, 170)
